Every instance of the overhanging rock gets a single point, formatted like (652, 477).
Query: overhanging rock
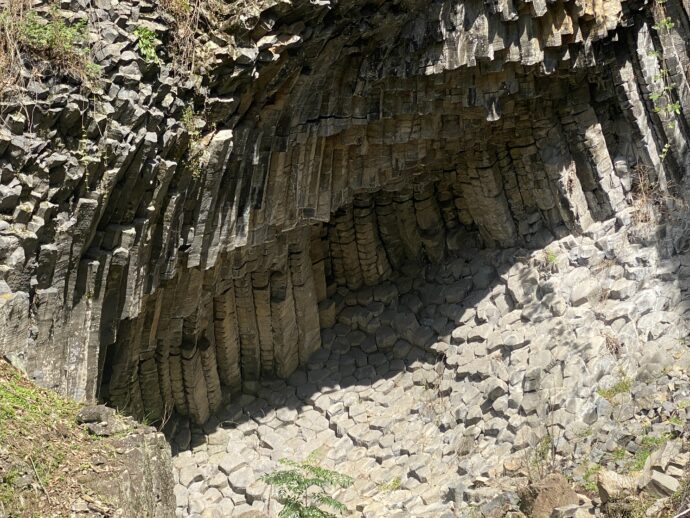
(339, 142)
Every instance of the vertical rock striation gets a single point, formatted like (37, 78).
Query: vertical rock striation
(154, 268)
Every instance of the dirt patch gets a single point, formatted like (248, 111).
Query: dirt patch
(549, 493)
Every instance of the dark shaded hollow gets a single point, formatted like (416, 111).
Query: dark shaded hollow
(258, 311)
(275, 312)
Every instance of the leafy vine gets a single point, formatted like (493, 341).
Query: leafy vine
(663, 99)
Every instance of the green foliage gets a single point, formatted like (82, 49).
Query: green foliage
(41, 38)
(618, 454)
(543, 449)
(551, 256)
(648, 445)
(589, 478)
(62, 44)
(19, 399)
(302, 489)
(391, 485)
(675, 420)
(541, 460)
(27, 412)
(146, 43)
(623, 385)
(54, 37)
(664, 23)
(663, 98)
(669, 107)
(673, 107)
(193, 158)
(93, 70)
(189, 122)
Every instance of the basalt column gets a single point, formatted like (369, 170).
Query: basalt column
(165, 243)
(208, 334)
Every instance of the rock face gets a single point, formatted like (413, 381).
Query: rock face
(153, 259)
(141, 484)
(421, 238)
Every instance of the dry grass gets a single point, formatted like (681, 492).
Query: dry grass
(10, 50)
(186, 15)
(43, 452)
(234, 18)
(613, 344)
(652, 203)
(645, 198)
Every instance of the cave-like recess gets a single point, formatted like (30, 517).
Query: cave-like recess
(166, 242)
(410, 170)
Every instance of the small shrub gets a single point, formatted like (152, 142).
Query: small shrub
(302, 489)
(189, 122)
(664, 23)
(61, 42)
(146, 43)
(541, 460)
(192, 159)
(546, 261)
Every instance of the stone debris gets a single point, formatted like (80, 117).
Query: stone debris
(445, 426)
(613, 486)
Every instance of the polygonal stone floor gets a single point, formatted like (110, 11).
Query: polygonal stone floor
(434, 390)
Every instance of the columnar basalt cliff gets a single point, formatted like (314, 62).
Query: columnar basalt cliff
(411, 240)
(156, 260)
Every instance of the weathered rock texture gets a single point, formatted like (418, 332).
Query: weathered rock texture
(340, 141)
(137, 481)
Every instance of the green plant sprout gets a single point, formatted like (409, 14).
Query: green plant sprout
(302, 489)
(146, 43)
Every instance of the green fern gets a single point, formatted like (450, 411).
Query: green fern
(302, 489)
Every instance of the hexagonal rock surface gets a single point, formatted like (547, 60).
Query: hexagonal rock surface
(435, 423)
